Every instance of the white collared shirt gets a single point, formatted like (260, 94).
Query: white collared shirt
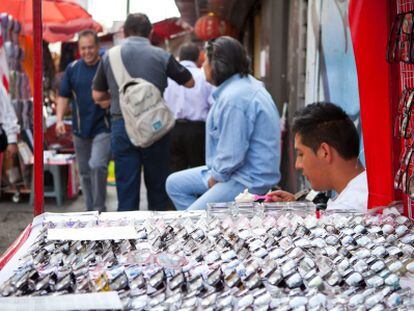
(353, 197)
(190, 103)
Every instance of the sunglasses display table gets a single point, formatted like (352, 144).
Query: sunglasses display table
(232, 257)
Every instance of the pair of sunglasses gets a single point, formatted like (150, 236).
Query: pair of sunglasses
(403, 126)
(402, 179)
(400, 41)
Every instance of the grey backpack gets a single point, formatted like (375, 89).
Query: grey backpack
(147, 117)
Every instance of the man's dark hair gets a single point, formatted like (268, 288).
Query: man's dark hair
(320, 123)
(226, 57)
(189, 51)
(137, 24)
(89, 32)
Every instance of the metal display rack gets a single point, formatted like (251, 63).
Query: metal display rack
(406, 71)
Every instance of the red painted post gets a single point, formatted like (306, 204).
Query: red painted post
(38, 107)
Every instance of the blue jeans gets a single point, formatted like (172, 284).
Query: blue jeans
(128, 161)
(188, 189)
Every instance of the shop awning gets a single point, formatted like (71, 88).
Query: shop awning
(168, 29)
(61, 18)
(171, 27)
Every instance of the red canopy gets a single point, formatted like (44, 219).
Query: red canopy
(61, 18)
(168, 29)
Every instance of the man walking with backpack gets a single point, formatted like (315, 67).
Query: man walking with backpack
(137, 58)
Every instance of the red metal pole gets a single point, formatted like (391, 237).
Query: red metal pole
(38, 107)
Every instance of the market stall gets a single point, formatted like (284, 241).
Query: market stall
(234, 256)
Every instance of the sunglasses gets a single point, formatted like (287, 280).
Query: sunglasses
(405, 45)
(400, 109)
(401, 181)
(400, 39)
(393, 39)
(403, 123)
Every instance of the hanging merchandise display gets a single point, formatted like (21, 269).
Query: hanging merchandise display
(401, 50)
(18, 82)
(17, 177)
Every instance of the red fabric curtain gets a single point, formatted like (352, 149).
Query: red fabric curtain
(378, 86)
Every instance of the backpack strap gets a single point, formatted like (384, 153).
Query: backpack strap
(115, 60)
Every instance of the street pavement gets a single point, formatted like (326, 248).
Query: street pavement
(14, 217)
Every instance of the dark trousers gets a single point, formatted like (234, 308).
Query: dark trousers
(187, 145)
(128, 162)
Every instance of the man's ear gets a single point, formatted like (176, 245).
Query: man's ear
(325, 152)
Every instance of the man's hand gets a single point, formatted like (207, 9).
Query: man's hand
(280, 196)
(211, 182)
(190, 83)
(11, 149)
(99, 96)
(104, 104)
(60, 128)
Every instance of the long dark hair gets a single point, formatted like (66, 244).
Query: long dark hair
(226, 57)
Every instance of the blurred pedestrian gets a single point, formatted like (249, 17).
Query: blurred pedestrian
(190, 108)
(9, 127)
(153, 64)
(242, 134)
(91, 126)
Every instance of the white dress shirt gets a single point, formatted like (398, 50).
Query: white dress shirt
(8, 117)
(190, 103)
(353, 197)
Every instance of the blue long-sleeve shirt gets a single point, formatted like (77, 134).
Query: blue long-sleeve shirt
(243, 135)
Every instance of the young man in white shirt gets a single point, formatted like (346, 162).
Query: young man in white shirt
(327, 149)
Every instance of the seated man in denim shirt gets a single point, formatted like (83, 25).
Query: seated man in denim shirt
(242, 135)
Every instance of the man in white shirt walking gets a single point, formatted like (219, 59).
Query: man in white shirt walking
(327, 149)
(190, 108)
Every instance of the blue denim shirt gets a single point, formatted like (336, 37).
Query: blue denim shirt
(243, 135)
